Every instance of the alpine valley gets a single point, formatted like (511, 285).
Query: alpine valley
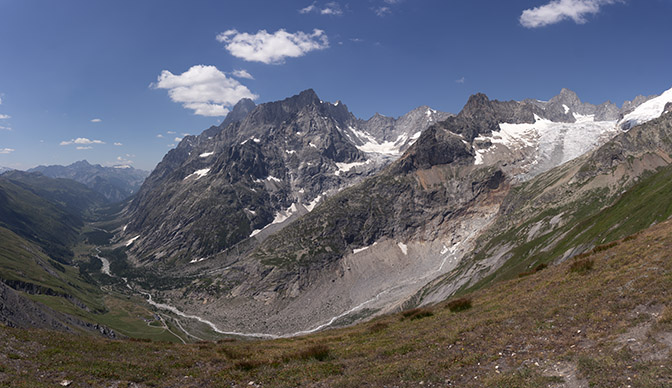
(295, 216)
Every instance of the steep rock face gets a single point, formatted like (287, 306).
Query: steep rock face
(373, 246)
(602, 196)
(247, 178)
(396, 135)
(115, 183)
(367, 247)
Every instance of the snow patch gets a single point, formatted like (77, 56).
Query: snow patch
(566, 108)
(403, 247)
(290, 151)
(206, 154)
(272, 178)
(198, 174)
(280, 216)
(345, 167)
(197, 260)
(362, 249)
(314, 203)
(131, 241)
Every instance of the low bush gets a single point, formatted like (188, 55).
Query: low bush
(319, 352)
(248, 365)
(418, 313)
(460, 304)
(581, 265)
(534, 270)
(377, 327)
(604, 247)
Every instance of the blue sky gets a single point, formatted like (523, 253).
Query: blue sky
(117, 82)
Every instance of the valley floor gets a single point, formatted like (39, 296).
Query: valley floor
(603, 319)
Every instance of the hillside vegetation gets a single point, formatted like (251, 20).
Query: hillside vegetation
(602, 319)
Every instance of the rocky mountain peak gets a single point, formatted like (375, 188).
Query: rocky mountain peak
(475, 104)
(567, 97)
(81, 163)
(306, 97)
(240, 110)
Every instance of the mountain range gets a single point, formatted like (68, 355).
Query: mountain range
(296, 215)
(115, 183)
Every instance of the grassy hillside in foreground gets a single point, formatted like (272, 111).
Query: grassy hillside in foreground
(601, 320)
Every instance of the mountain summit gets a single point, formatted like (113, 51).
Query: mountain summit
(264, 167)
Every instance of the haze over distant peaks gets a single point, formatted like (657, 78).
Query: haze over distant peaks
(115, 183)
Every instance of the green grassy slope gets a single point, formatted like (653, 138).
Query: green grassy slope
(592, 222)
(607, 325)
(25, 267)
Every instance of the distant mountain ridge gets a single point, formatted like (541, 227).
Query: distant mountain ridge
(115, 183)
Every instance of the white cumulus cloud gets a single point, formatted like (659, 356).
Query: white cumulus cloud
(160, 136)
(96, 120)
(177, 139)
(6, 150)
(272, 48)
(558, 10)
(204, 89)
(242, 74)
(331, 8)
(81, 141)
(118, 144)
(123, 162)
(84, 147)
(3, 128)
(4, 117)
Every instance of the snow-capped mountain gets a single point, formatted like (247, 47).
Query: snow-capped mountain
(557, 136)
(261, 169)
(646, 111)
(260, 205)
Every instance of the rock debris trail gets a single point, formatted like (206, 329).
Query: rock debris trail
(163, 306)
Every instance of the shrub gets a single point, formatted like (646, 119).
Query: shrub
(319, 352)
(140, 339)
(534, 270)
(248, 365)
(540, 267)
(604, 247)
(418, 313)
(581, 265)
(460, 304)
(377, 327)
